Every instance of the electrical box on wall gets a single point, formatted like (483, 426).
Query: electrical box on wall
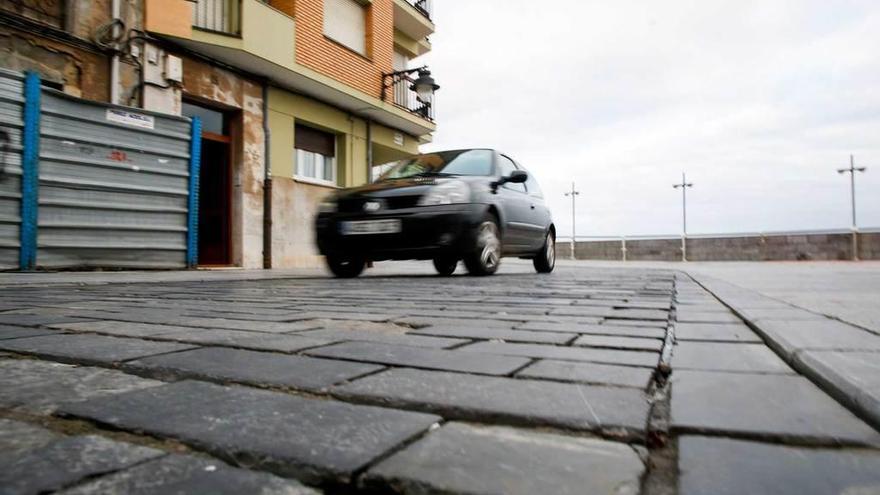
(173, 68)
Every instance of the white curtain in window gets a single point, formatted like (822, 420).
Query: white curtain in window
(345, 21)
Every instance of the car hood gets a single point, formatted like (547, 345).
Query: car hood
(414, 186)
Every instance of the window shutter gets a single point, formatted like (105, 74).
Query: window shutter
(309, 139)
(345, 21)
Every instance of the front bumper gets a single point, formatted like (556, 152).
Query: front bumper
(426, 232)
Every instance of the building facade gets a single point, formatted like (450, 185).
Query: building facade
(296, 97)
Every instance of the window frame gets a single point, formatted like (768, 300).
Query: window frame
(334, 181)
(364, 6)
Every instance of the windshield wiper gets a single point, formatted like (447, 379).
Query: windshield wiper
(434, 174)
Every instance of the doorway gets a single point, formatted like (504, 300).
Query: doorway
(215, 186)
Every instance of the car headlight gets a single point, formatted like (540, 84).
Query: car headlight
(328, 205)
(447, 193)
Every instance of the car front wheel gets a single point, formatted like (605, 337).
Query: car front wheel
(545, 261)
(345, 266)
(485, 256)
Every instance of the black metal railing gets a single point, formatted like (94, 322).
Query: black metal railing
(397, 90)
(423, 6)
(222, 16)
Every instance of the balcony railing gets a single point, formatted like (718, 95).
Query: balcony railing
(423, 6)
(397, 91)
(222, 16)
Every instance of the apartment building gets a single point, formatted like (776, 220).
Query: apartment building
(295, 97)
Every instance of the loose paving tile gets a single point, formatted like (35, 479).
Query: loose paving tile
(615, 411)
(498, 334)
(250, 325)
(40, 386)
(66, 461)
(89, 349)
(324, 441)
(333, 336)
(11, 332)
(722, 466)
(613, 342)
(766, 406)
(181, 474)
(852, 377)
(608, 356)
(722, 356)
(417, 357)
(460, 458)
(593, 373)
(258, 368)
(243, 339)
(716, 332)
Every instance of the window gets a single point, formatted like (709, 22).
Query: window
(532, 186)
(345, 21)
(315, 154)
(506, 166)
(212, 120)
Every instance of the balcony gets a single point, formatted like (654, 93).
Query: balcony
(397, 91)
(413, 18)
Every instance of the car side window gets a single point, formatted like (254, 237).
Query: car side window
(532, 185)
(506, 166)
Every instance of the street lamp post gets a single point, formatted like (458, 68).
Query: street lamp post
(684, 222)
(852, 190)
(572, 193)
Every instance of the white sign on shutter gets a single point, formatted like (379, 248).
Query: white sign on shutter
(345, 21)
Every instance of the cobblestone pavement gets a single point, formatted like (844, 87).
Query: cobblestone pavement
(589, 380)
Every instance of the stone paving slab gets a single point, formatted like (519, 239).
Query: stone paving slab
(722, 356)
(40, 386)
(331, 335)
(120, 328)
(767, 406)
(460, 458)
(18, 438)
(591, 373)
(66, 461)
(608, 356)
(788, 314)
(716, 317)
(36, 320)
(182, 474)
(851, 377)
(420, 322)
(511, 400)
(12, 332)
(789, 337)
(251, 367)
(635, 323)
(89, 349)
(324, 441)
(243, 339)
(613, 342)
(497, 334)
(724, 332)
(417, 357)
(721, 466)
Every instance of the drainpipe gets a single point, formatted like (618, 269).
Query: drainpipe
(115, 9)
(369, 151)
(267, 183)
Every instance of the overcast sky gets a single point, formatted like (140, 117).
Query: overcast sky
(758, 101)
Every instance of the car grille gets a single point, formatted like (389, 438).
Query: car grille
(392, 203)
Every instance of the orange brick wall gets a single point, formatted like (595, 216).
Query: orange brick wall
(319, 53)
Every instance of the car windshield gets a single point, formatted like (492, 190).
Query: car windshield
(444, 163)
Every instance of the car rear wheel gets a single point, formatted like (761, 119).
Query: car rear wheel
(545, 261)
(445, 266)
(485, 257)
(345, 266)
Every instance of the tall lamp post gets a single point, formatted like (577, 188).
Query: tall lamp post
(572, 193)
(852, 189)
(684, 219)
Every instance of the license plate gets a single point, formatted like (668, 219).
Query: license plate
(361, 227)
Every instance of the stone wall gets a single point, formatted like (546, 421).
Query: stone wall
(768, 247)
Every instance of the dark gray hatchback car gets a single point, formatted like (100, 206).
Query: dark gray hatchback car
(475, 205)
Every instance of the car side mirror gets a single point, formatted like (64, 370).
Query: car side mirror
(517, 176)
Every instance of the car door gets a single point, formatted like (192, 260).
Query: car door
(516, 203)
(538, 214)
